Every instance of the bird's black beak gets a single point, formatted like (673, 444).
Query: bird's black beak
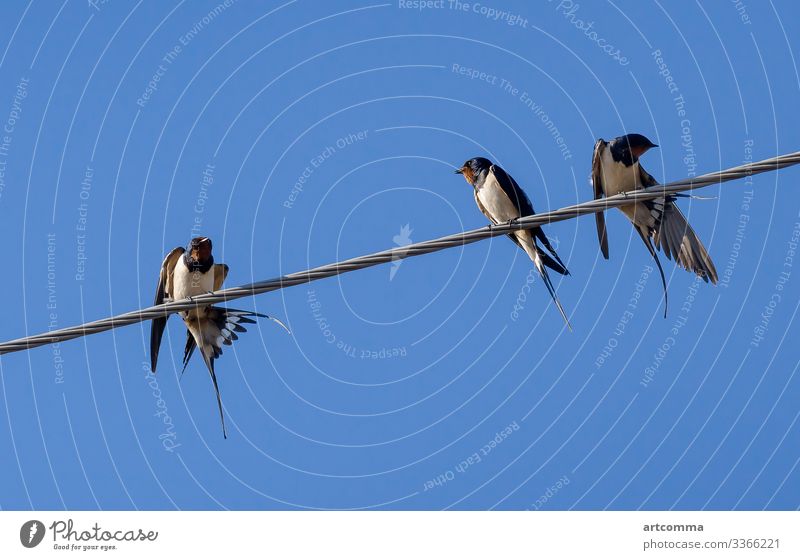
(458, 172)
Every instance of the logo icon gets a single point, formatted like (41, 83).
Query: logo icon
(31, 533)
(401, 240)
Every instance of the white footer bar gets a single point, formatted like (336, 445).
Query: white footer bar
(406, 535)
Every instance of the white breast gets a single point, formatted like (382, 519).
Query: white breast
(498, 206)
(187, 283)
(616, 177)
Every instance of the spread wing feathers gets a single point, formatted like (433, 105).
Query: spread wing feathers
(655, 206)
(649, 244)
(162, 293)
(525, 208)
(679, 241)
(218, 327)
(675, 236)
(539, 263)
(599, 192)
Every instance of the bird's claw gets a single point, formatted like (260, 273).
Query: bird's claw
(510, 222)
(191, 298)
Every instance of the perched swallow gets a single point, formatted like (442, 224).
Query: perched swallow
(659, 222)
(186, 273)
(502, 200)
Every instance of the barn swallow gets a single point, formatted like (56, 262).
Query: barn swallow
(659, 222)
(186, 273)
(502, 200)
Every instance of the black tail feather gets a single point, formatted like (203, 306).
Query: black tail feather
(217, 328)
(188, 350)
(549, 262)
(538, 233)
(653, 253)
(210, 365)
(156, 333)
(546, 278)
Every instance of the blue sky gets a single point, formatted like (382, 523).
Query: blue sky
(302, 133)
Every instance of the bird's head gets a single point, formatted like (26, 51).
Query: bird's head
(199, 250)
(635, 144)
(473, 168)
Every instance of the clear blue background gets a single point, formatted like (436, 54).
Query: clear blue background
(391, 381)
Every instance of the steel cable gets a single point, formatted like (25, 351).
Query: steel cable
(389, 255)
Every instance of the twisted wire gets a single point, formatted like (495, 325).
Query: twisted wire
(407, 251)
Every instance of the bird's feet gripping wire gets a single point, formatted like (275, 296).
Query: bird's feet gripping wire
(510, 222)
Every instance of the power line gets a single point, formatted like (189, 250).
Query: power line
(398, 253)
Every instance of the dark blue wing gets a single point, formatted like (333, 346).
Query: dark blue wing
(160, 323)
(513, 191)
(523, 204)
